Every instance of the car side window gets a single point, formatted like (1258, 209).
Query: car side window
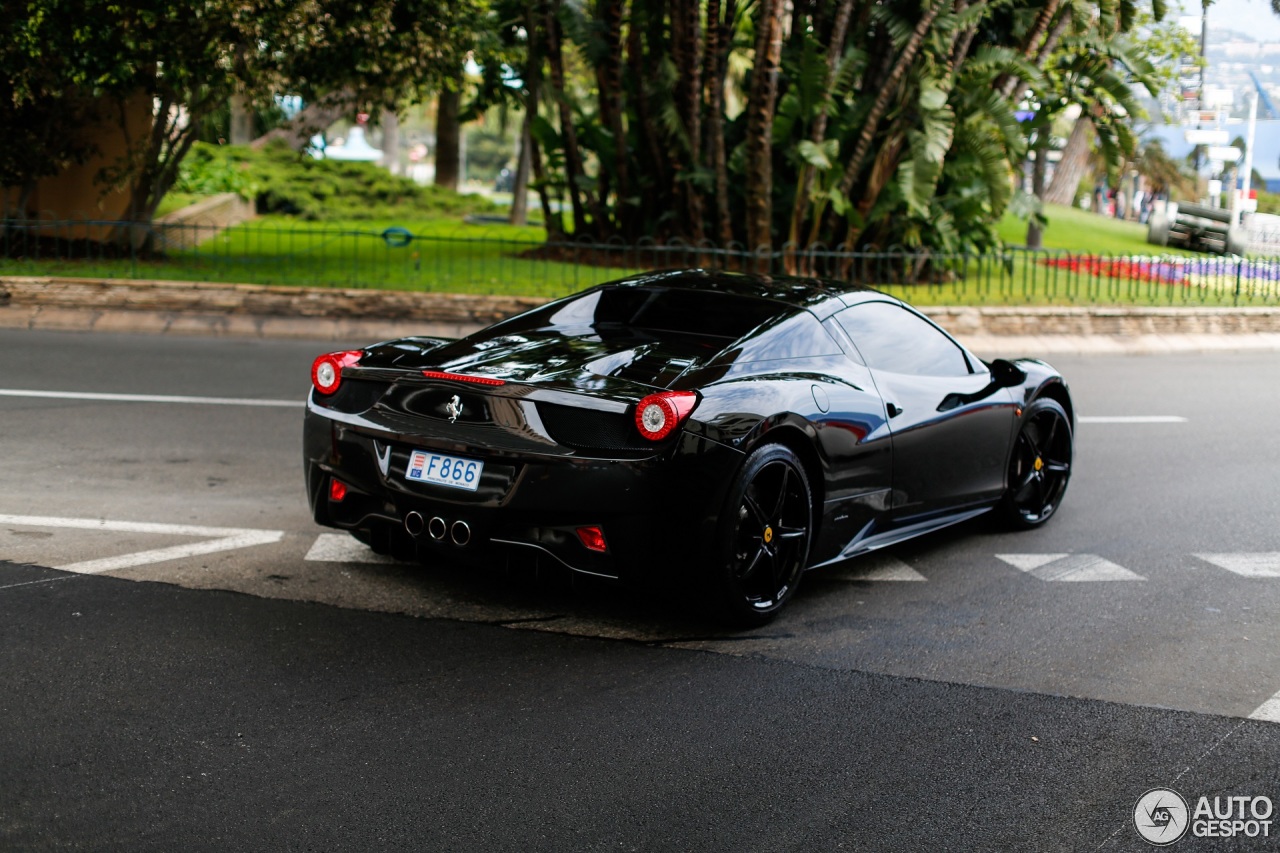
(892, 338)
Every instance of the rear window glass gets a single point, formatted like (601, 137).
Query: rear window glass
(690, 312)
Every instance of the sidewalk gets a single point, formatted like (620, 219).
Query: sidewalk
(358, 316)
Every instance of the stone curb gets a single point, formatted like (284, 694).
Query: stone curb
(349, 314)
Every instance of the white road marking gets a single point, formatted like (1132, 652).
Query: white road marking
(222, 539)
(121, 526)
(1028, 562)
(877, 568)
(343, 548)
(151, 398)
(177, 552)
(1260, 565)
(1268, 710)
(1132, 419)
(1069, 567)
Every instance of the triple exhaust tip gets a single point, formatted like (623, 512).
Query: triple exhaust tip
(437, 528)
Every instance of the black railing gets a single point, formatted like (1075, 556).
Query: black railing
(501, 260)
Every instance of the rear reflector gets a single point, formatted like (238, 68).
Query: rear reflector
(337, 490)
(593, 539)
(459, 377)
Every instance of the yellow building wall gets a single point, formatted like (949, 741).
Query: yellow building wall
(75, 194)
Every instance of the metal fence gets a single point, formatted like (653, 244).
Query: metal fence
(500, 260)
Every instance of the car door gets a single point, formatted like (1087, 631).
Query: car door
(949, 420)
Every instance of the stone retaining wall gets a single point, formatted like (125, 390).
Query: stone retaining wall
(344, 313)
(79, 304)
(190, 226)
(1107, 321)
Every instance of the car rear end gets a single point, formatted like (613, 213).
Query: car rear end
(591, 471)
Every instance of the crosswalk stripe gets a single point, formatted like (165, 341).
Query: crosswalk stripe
(1257, 565)
(343, 548)
(222, 539)
(1069, 567)
(1268, 710)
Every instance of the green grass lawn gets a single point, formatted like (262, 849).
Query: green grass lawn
(447, 255)
(1077, 230)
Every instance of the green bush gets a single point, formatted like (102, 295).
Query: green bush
(280, 180)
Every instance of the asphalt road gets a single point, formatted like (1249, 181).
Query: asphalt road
(975, 690)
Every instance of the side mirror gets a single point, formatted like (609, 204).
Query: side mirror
(1006, 374)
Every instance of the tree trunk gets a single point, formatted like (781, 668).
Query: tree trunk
(609, 84)
(448, 139)
(314, 118)
(241, 131)
(1034, 231)
(686, 38)
(391, 141)
(1071, 168)
(652, 168)
(520, 184)
(716, 52)
(759, 141)
(573, 165)
(551, 220)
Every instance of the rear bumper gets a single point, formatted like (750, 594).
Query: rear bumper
(656, 513)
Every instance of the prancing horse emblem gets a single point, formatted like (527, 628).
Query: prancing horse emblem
(453, 408)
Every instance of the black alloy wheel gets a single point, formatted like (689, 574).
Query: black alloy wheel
(1040, 465)
(765, 537)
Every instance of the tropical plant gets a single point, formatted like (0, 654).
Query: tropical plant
(801, 124)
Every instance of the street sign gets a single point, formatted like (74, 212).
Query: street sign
(1225, 153)
(1205, 136)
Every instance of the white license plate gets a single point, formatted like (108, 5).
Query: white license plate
(444, 470)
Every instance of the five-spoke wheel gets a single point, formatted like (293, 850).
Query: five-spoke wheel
(1040, 465)
(765, 536)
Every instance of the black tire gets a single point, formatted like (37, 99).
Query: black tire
(1039, 466)
(763, 540)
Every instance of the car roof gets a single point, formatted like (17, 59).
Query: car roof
(822, 297)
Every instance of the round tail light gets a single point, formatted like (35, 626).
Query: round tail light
(326, 371)
(658, 414)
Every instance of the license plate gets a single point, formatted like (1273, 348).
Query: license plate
(444, 470)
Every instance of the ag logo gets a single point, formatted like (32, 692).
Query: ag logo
(1161, 816)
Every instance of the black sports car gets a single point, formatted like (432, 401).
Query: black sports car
(722, 430)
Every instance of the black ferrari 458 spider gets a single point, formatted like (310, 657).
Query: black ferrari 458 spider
(715, 430)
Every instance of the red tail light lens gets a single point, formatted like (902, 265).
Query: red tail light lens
(326, 371)
(593, 539)
(658, 414)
